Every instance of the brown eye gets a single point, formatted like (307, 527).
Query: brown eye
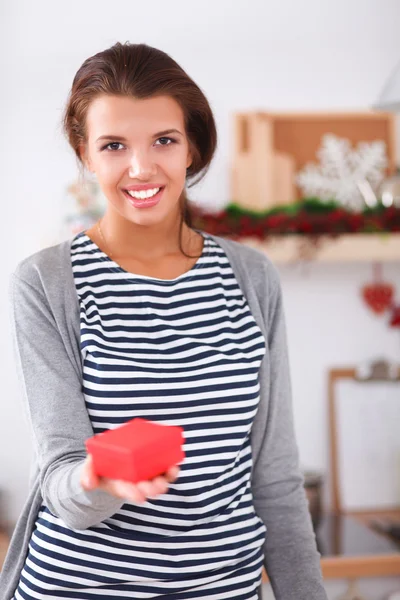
(171, 140)
(112, 146)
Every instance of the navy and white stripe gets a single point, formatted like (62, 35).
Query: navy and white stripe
(186, 352)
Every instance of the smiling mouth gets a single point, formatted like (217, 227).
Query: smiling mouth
(142, 198)
(144, 202)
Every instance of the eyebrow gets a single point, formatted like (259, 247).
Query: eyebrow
(118, 138)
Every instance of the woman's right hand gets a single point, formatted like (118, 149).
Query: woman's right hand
(135, 492)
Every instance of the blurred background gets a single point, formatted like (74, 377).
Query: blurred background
(287, 56)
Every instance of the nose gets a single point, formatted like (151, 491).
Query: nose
(141, 166)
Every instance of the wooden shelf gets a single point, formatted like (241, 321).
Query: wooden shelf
(358, 247)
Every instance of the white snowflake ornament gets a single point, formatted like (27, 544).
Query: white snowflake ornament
(343, 169)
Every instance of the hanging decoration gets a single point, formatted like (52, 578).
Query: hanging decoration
(378, 294)
(379, 297)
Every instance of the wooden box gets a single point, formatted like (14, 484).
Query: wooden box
(270, 148)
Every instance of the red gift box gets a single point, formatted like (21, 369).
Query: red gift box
(137, 450)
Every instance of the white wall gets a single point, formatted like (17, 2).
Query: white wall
(284, 55)
(329, 326)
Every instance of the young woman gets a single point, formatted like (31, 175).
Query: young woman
(144, 316)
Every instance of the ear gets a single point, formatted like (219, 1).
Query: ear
(189, 159)
(85, 158)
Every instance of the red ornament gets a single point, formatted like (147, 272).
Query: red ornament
(395, 316)
(378, 295)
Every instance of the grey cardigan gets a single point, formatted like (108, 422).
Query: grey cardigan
(44, 312)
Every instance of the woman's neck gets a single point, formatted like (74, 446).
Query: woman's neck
(125, 240)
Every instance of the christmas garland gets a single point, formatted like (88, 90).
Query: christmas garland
(308, 217)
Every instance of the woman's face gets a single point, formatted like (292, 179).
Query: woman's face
(134, 142)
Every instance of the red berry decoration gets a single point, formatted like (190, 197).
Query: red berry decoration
(378, 295)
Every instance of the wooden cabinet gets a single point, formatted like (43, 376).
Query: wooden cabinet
(350, 549)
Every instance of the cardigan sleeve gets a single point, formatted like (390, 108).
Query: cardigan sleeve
(290, 553)
(54, 403)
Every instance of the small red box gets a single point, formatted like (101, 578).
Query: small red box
(137, 450)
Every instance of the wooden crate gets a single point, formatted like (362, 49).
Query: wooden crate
(270, 148)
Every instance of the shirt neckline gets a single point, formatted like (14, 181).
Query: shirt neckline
(114, 266)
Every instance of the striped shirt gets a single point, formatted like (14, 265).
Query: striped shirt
(187, 352)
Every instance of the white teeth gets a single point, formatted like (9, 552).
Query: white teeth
(144, 193)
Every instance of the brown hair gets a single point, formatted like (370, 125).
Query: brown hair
(141, 71)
